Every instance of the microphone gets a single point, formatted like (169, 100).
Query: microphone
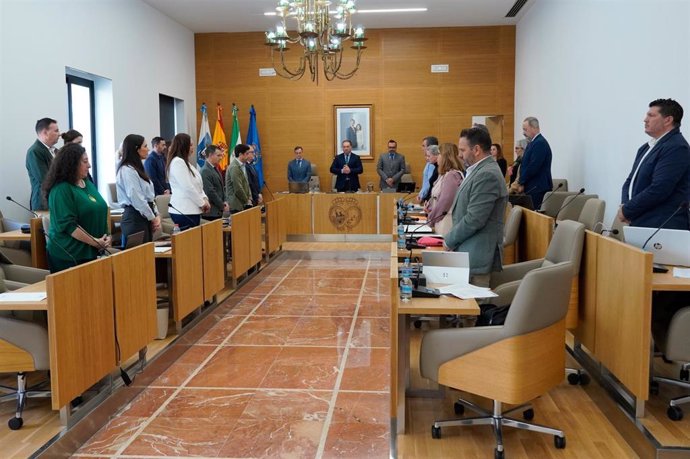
(61, 248)
(604, 229)
(9, 198)
(191, 222)
(103, 248)
(582, 190)
(682, 205)
(560, 185)
(269, 190)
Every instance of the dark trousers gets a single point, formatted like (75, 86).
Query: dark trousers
(56, 264)
(537, 198)
(133, 222)
(186, 221)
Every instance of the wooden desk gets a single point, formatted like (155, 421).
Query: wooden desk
(246, 242)
(400, 343)
(667, 283)
(213, 259)
(27, 305)
(536, 231)
(276, 225)
(39, 257)
(185, 274)
(15, 235)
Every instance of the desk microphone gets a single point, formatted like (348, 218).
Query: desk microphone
(9, 198)
(191, 222)
(604, 229)
(582, 190)
(98, 243)
(269, 190)
(560, 185)
(682, 205)
(60, 247)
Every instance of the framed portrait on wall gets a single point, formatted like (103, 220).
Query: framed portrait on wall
(356, 124)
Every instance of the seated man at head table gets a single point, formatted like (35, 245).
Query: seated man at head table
(299, 169)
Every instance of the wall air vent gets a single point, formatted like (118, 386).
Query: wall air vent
(517, 6)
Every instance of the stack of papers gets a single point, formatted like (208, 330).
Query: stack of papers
(467, 291)
(683, 273)
(22, 297)
(418, 229)
(162, 249)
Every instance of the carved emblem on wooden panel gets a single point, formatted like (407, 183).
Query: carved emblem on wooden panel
(345, 213)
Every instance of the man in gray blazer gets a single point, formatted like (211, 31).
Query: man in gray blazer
(213, 183)
(478, 208)
(391, 167)
(39, 157)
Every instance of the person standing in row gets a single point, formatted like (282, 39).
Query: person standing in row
(135, 191)
(188, 200)
(39, 158)
(347, 166)
(299, 169)
(390, 167)
(237, 191)
(213, 183)
(535, 170)
(155, 165)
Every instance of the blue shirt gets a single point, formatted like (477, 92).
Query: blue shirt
(133, 191)
(428, 170)
(155, 169)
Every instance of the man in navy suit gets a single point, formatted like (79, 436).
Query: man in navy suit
(535, 170)
(660, 177)
(347, 166)
(299, 169)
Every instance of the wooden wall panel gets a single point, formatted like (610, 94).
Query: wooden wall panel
(409, 101)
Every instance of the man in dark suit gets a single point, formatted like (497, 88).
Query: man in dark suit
(253, 178)
(478, 208)
(535, 170)
(351, 133)
(659, 180)
(213, 183)
(347, 166)
(299, 169)
(39, 157)
(155, 164)
(391, 167)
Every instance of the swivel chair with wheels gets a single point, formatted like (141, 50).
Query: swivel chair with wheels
(512, 363)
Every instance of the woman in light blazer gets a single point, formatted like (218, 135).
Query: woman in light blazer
(188, 200)
(450, 177)
(135, 191)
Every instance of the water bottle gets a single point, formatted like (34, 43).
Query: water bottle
(176, 229)
(406, 282)
(401, 236)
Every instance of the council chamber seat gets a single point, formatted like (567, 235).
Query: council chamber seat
(673, 339)
(12, 250)
(553, 201)
(572, 206)
(523, 359)
(592, 214)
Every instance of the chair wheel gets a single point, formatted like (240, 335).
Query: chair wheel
(574, 379)
(685, 374)
(674, 413)
(499, 454)
(459, 408)
(654, 388)
(528, 415)
(17, 423)
(584, 379)
(435, 432)
(559, 442)
(418, 324)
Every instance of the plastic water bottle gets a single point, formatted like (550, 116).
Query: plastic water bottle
(401, 236)
(406, 282)
(176, 229)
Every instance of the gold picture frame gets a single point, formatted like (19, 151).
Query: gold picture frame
(356, 124)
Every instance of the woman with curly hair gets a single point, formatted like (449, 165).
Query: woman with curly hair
(78, 213)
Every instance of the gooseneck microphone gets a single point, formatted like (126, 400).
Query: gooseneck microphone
(582, 190)
(560, 185)
(98, 243)
(191, 222)
(61, 248)
(604, 229)
(681, 206)
(9, 198)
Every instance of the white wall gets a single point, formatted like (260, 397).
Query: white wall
(588, 70)
(142, 52)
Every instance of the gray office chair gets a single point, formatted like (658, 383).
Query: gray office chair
(553, 201)
(407, 176)
(13, 250)
(558, 181)
(512, 226)
(314, 181)
(617, 230)
(112, 196)
(592, 214)
(572, 206)
(673, 340)
(15, 276)
(522, 359)
(27, 341)
(167, 224)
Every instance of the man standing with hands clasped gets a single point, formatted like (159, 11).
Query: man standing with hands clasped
(346, 167)
(391, 167)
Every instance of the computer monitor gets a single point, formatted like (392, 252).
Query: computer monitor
(669, 246)
(405, 187)
(298, 187)
(134, 240)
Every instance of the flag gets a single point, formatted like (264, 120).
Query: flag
(219, 136)
(235, 137)
(204, 136)
(253, 140)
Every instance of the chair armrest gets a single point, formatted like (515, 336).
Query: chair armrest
(506, 293)
(514, 272)
(24, 274)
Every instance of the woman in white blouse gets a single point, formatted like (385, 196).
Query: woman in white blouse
(188, 200)
(135, 191)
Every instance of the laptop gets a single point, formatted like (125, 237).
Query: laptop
(669, 246)
(298, 187)
(134, 240)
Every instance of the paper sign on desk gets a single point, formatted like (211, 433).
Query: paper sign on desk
(446, 267)
(467, 291)
(162, 249)
(20, 297)
(683, 273)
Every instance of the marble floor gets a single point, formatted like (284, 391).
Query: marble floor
(294, 364)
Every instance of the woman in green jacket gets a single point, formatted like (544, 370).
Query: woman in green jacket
(78, 214)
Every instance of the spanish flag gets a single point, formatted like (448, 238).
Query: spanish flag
(219, 137)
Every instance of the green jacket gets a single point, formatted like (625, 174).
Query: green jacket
(38, 161)
(478, 212)
(237, 191)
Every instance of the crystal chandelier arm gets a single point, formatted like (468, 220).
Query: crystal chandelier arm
(283, 70)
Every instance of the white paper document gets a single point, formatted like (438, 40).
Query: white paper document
(418, 229)
(467, 291)
(22, 297)
(683, 273)
(447, 275)
(162, 249)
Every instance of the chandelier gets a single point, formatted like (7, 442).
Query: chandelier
(321, 33)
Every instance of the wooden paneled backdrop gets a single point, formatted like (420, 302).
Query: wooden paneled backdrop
(409, 101)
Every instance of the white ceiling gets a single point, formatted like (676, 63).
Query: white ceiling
(202, 16)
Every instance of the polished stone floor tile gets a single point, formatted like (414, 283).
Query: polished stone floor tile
(367, 369)
(147, 402)
(184, 367)
(222, 405)
(217, 334)
(320, 331)
(242, 366)
(304, 368)
(324, 286)
(374, 286)
(375, 306)
(308, 305)
(320, 273)
(263, 331)
(371, 332)
(113, 435)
